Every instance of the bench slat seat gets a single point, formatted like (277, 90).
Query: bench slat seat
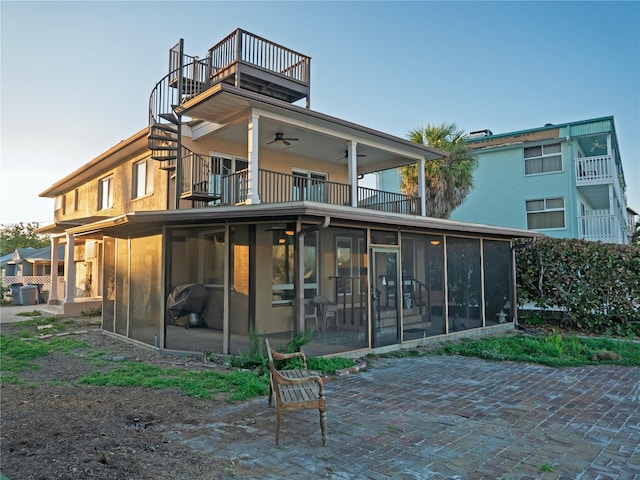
(295, 390)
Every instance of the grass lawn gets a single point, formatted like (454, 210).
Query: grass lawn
(553, 350)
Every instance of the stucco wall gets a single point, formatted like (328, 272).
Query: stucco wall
(506, 188)
(123, 202)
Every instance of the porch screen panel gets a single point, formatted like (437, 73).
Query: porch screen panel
(422, 286)
(464, 283)
(144, 304)
(122, 286)
(497, 281)
(109, 284)
(193, 260)
(435, 303)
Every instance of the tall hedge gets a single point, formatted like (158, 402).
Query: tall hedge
(595, 285)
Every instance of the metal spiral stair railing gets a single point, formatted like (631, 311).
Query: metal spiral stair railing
(180, 84)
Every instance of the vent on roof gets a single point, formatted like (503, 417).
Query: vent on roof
(480, 133)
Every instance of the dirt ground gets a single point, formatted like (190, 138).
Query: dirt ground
(52, 428)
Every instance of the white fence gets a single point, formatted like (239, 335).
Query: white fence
(44, 280)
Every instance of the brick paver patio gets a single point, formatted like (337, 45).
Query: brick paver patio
(445, 417)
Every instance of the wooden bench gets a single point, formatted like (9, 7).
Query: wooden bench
(295, 390)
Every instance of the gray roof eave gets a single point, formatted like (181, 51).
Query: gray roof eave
(308, 210)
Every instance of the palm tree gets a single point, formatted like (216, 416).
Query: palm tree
(447, 180)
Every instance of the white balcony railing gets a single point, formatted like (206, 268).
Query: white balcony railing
(602, 228)
(595, 170)
(600, 170)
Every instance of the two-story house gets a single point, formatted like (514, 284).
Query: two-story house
(565, 180)
(237, 210)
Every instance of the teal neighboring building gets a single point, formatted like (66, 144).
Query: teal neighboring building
(563, 180)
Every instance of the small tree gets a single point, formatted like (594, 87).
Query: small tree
(21, 235)
(448, 180)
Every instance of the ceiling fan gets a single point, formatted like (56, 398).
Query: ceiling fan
(280, 138)
(346, 155)
(596, 144)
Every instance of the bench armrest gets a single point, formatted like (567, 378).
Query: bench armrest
(286, 356)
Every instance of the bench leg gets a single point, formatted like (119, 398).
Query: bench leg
(323, 425)
(277, 426)
(270, 394)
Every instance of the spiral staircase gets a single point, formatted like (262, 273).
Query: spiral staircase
(242, 60)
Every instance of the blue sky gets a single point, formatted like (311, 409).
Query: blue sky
(76, 76)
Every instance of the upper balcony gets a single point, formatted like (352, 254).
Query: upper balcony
(592, 172)
(202, 184)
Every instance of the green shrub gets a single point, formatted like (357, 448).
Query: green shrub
(595, 284)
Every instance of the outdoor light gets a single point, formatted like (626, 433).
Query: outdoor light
(435, 242)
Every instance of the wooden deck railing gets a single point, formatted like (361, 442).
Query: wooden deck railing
(242, 46)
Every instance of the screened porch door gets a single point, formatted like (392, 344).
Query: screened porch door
(385, 296)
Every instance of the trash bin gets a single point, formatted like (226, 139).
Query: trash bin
(15, 293)
(29, 293)
(39, 287)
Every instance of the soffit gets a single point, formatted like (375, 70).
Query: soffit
(319, 136)
(63, 226)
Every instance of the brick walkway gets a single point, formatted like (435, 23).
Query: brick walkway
(444, 418)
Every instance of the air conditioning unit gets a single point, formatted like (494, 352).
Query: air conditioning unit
(91, 250)
(480, 133)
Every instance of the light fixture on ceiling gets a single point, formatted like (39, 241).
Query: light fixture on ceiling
(435, 242)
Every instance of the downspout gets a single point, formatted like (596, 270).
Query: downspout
(514, 282)
(299, 287)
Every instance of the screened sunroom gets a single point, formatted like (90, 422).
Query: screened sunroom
(190, 282)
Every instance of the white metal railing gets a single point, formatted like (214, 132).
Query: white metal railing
(595, 170)
(603, 228)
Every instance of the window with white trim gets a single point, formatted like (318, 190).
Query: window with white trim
(545, 213)
(542, 159)
(142, 179)
(105, 193)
